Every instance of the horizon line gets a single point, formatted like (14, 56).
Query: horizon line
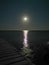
(22, 30)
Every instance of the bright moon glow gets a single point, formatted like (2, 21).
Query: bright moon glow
(25, 18)
(25, 38)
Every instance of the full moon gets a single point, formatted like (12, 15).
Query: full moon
(25, 19)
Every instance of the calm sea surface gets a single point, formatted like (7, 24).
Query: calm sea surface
(18, 35)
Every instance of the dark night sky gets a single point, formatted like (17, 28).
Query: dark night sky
(12, 11)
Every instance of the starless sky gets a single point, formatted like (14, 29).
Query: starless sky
(12, 12)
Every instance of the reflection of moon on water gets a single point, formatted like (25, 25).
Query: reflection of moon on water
(25, 42)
